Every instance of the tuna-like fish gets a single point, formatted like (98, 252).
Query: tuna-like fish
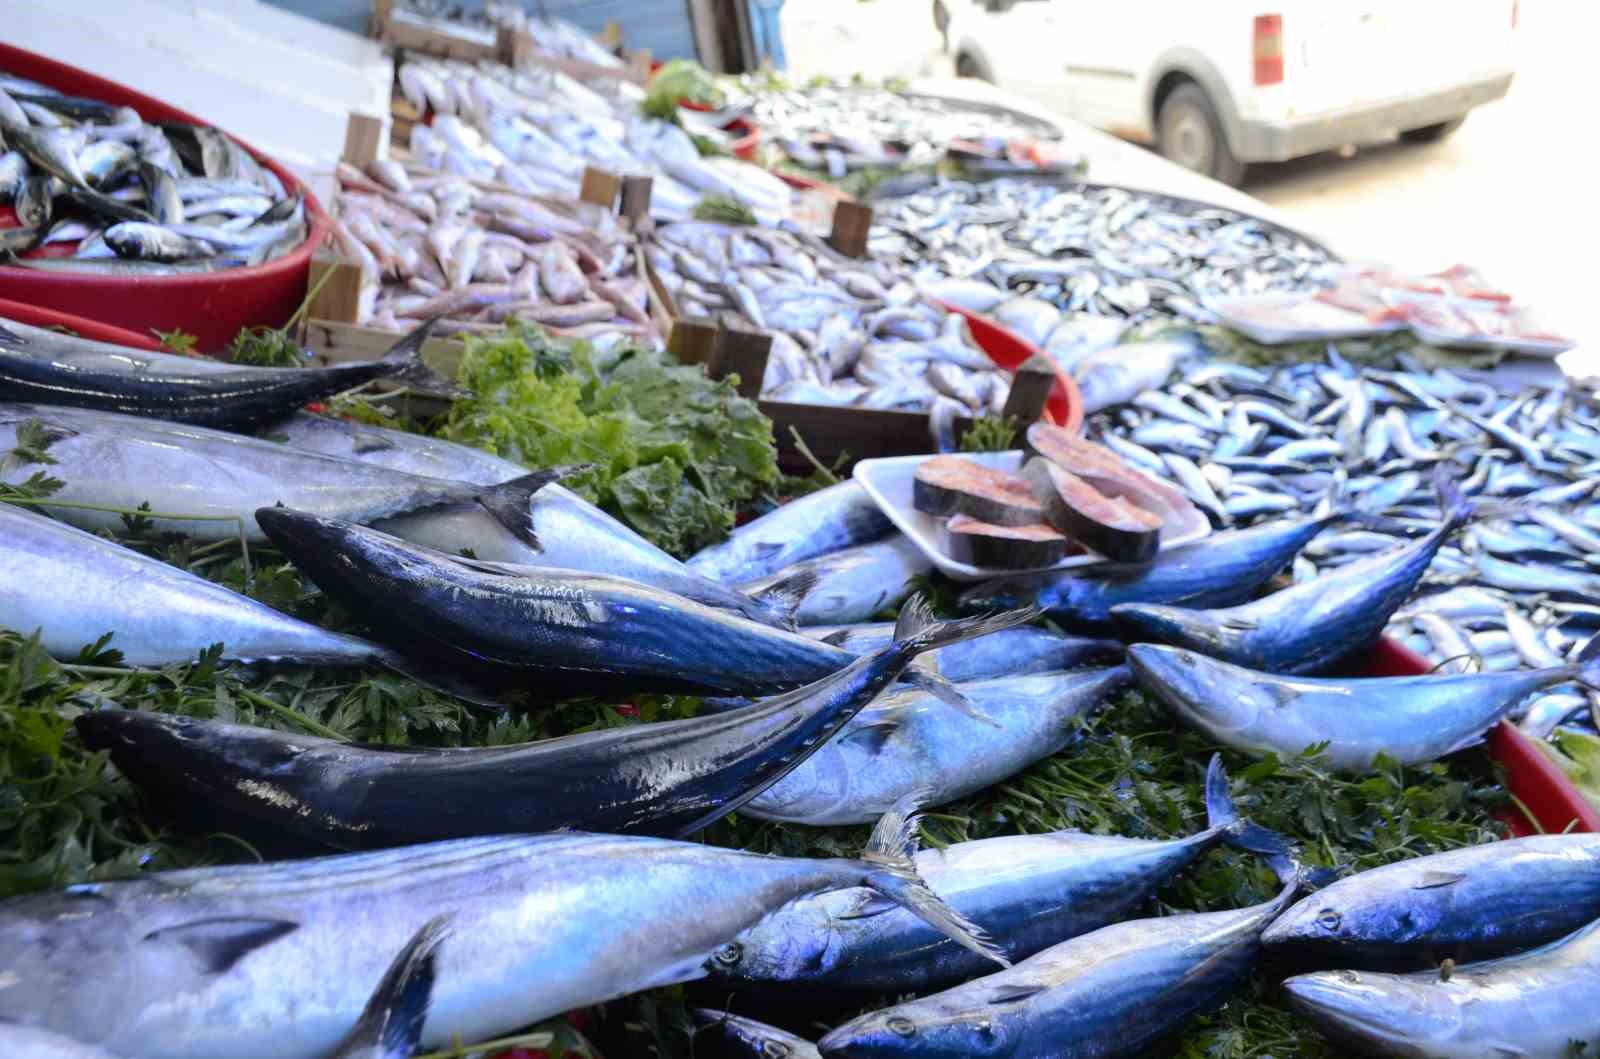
(51, 368)
(742, 1036)
(390, 1026)
(1411, 719)
(829, 520)
(906, 743)
(1027, 891)
(554, 527)
(672, 778)
(525, 626)
(851, 585)
(1463, 904)
(1311, 626)
(1011, 653)
(1536, 1005)
(212, 480)
(538, 925)
(1220, 570)
(75, 587)
(1113, 992)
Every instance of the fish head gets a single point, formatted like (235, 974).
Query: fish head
(1200, 689)
(337, 554)
(1009, 593)
(1178, 626)
(1384, 1014)
(49, 943)
(749, 1037)
(932, 1028)
(794, 944)
(1348, 925)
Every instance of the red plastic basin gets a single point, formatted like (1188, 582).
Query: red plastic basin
(1542, 788)
(213, 306)
(92, 329)
(1005, 347)
(747, 131)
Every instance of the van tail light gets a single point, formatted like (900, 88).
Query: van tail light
(1266, 48)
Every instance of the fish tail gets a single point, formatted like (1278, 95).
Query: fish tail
(1457, 509)
(392, 1020)
(1237, 831)
(509, 502)
(1588, 663)
(403, 362)
(918, 630)
(783, 597)
(891, 870)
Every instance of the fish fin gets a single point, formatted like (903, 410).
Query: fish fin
(1284, 694)
(947, 693)
(892, 872)
(837, 638)
(1012, 992)
(866, 905)
(1379, 523)
(1432, 880)
(784, 596)
(916, 630)
(220, 943)
(393, 1017)
(872, 735)
(511, 502)
(1588, 663)
(1223, 815)
(403, 362)
(1239, 624)
(363, 443)
(444, 682)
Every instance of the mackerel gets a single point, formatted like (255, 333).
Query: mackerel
(829, 520)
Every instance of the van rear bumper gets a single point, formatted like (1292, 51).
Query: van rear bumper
(1278, 141)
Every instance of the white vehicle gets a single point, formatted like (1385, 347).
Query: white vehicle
(1215, 85)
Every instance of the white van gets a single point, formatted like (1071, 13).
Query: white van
(1216, 84)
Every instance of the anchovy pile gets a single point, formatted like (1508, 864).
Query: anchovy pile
(1517, 589)
(845, 332)
(439, 245)
(839, 128)
(537, 129)
(136, 198)
(1086, 248)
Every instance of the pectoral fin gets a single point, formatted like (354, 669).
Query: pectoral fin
(220, 943)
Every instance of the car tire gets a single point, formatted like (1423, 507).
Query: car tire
(1433, 133)
(1189, 133)
(967, 66)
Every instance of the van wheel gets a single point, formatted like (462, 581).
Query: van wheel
(1433, 133)
(967, 66)
(1189, 132)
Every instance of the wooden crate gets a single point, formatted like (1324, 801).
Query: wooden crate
(399, 32)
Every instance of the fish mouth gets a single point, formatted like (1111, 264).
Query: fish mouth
(1350, 1004)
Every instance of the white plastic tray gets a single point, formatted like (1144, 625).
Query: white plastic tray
(1224, 307)
(1528, 347)
(888, 482)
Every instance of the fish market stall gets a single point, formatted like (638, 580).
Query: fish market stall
(1059, 618)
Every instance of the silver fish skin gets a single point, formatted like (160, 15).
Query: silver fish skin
(828, 520)
(1535, 1005)
(911, 741)
(851, 585)
(151, 242)
(742, 1036)
(30, 1042)
(1411, 719)
(1008, 653)
(398, 450)
(538, 925)
(75, 587)
(1028, 891)
(1464, 904)
(390, 1026)
(1104, 995)
(1119, 374)
(123, 461)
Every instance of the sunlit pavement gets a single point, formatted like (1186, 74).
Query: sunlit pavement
(1510, 192)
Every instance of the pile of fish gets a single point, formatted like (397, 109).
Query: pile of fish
(130, 197)
(440, 246)
(1087, 249)
(845, 332)
(537, 129)
(1515, 592)
(836, 129)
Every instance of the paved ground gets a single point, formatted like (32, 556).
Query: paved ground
(1503, 193)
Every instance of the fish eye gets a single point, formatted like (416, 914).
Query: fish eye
(775, 1050)
(901, 1026)
(729, 954)
(1328, 920)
